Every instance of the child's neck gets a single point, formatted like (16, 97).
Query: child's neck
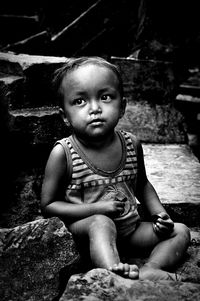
(100, 143)
(105, 154)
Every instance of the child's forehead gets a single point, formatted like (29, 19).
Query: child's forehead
(90, 72)
(91, 67)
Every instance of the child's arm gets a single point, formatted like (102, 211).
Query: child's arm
(53, 191)
(147, 195)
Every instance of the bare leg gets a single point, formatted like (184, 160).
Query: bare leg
(101, 232)
(165, 255)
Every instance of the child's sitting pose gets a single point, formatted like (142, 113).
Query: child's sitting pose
(93, 177)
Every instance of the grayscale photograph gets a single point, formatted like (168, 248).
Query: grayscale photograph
(100, 150)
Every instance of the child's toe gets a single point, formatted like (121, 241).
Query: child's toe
(134, 272)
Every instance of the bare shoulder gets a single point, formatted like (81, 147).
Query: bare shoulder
(57, 159)
(57, 153)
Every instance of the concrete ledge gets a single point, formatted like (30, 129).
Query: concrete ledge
(17, 64)
(174, 171)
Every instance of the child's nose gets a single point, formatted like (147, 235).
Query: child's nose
(95, 107)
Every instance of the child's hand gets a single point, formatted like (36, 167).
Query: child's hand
(111, 208)
(162, 224)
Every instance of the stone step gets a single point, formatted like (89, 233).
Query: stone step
(186, 98)
(13, 87)
(174, 171)
(20, 64)
(36, 72)
(192, 89)
(38, 125)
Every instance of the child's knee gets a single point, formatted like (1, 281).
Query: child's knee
(101, 222)
(183, 231)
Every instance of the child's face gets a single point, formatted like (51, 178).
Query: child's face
(92, 101)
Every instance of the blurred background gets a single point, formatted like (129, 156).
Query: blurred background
(149, 29)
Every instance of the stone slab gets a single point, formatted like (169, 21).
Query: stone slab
(174, 171)
(17, 64)
(99, 284)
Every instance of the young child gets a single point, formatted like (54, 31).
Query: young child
(93, 177)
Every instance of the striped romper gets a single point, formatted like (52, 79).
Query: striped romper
(90, 184)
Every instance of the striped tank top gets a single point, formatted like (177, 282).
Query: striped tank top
(88, 184)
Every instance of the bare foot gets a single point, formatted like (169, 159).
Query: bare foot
(126, 270)
(154, 274)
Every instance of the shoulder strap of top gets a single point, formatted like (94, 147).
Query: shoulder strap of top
(64, 144)
(133, 140)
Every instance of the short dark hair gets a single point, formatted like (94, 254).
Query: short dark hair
(73, 63)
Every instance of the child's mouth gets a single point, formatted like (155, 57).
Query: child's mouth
(96, 121)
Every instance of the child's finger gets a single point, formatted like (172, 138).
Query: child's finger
(165, 227)
(162, 229)
(163, 216)
(167, 223)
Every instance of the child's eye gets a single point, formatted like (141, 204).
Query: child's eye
(106, 98)
(79, 102)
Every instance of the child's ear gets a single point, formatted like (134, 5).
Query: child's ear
(123, 107)
(64, 118)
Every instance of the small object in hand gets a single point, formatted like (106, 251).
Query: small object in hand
(163, 216)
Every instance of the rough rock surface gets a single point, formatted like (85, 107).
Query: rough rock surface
(33, 257)
(150, 80)
(100, 284)
(154, 123)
